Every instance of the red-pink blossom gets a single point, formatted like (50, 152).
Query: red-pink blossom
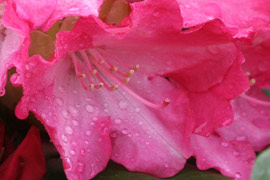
(176, 83)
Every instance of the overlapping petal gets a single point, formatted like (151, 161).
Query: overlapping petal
(243, 16)
(28, 12)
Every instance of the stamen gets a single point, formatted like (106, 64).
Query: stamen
(144, 101)
(126, 80)
(252, 81)
(130, 73)
(136, 67)
(254, 100)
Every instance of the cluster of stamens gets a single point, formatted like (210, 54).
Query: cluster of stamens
(95, 72)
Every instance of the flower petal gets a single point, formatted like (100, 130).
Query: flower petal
(243, 15)
(231, 158)
(27, 162)
(9, 46)
(251, 122)
(69, 114)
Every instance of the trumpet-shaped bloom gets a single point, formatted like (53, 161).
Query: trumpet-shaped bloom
(242, 16)
(106, 92)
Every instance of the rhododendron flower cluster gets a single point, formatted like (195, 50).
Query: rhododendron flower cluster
(168, 81)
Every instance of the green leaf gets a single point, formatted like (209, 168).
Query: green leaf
(261, 170)
(267, 92)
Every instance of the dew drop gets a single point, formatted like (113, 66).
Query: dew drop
(117, 121)
(72, 152)
(123, 105)
(68, 130)
(75, 122)
(99, 139)
(74, 143)
(86, 142)
(89, 108)
(64, 138)
(88, 133)
(224, 144)
(124, 131)
(166, 165)
(59, 101)
(147, 143)
(65, 114)
(61, 89)
(82, 151)
(238, 175)
(74, 112)
(80, 167)
(137, 134)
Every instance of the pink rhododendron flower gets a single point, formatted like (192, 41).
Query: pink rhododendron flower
(242, 16)
(104, 94)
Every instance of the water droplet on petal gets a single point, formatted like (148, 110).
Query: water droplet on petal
(82, 151)
(124, 131)
(89, 108)
(137, 134)
(238, 175)
(86, 142)
(166, 165)
(59, 101)
(224, 144)
(73, 111)
(64, 138)
(65, 114)
(117, 121)
(88, 133)
(147, 143)
(123, 105)
(72, 152)
(68, 130)
(75, 122)
(80, 167)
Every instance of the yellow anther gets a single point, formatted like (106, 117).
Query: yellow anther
(130, 73)
(91, 87)
(126, 80)
(101, 62)
(114, 69)
(100, 84)
(248, 73)
(114, 87)
(166, 101)
(252, 82)
(94, 72)
(136, 67)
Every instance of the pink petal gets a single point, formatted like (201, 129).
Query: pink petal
(231, 158)
(257, 58)
(52, 10)
(9, 46)
(243, 15)
(70, 116)
(251, 122)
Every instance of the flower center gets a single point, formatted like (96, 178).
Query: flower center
(95, 72)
